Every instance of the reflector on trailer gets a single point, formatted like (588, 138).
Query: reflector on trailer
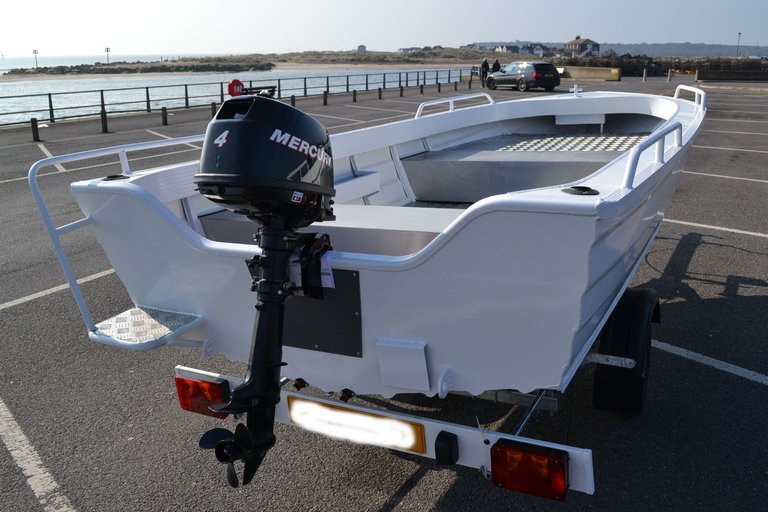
(530, 469)
(199, 395)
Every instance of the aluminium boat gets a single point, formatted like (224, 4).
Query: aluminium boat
(479, 246)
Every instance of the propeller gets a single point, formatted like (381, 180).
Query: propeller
(211, 438)
(242, 445)
(232, 475)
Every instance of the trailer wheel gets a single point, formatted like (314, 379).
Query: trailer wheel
(627, 333)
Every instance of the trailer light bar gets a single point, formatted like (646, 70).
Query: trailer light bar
(199, 395)
(356, 426)
(531, 469)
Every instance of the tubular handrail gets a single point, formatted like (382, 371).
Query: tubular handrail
(655, 139)
(451, 101)
(700, 96)
(55, 233)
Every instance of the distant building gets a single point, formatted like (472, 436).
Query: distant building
(538, 50)
(483, 46)
(506, 48)
(361, 48)
(582, 47)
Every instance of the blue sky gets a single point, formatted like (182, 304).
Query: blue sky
(254, 26)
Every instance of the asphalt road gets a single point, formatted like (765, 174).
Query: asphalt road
(87, 427)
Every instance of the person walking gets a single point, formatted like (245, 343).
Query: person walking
(484, 72)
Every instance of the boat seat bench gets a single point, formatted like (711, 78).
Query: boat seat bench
(386, 230)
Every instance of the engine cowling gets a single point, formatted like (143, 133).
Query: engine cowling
(263, 158)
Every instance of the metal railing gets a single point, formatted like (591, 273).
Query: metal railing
(56, 232)
(657, 139)
(452, 102)
(56, 106)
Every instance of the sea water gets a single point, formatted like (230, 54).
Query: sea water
(23, 99)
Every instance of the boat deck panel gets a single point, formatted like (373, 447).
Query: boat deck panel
(557, 143)
(469, 172)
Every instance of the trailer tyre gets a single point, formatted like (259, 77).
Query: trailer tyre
(627, 333)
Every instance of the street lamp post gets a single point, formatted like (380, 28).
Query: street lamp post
(107, 50)
(738, 44)
(34, 52)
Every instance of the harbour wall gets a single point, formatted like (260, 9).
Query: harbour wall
(591, 73)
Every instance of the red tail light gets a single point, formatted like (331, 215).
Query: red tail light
(530, 469)
(536, 74)
(198, 395)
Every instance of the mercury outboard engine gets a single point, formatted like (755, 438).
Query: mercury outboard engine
(265, 159)
(270, 162)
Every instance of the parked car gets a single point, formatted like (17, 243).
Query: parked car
(525, 75)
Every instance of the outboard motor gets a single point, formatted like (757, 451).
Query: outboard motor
(270, 162)
(265, 159)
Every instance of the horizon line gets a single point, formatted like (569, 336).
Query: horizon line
(216, 54)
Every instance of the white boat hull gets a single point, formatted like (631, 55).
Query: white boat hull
(507, 293)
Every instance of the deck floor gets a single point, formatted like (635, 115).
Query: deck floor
(579, 143)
